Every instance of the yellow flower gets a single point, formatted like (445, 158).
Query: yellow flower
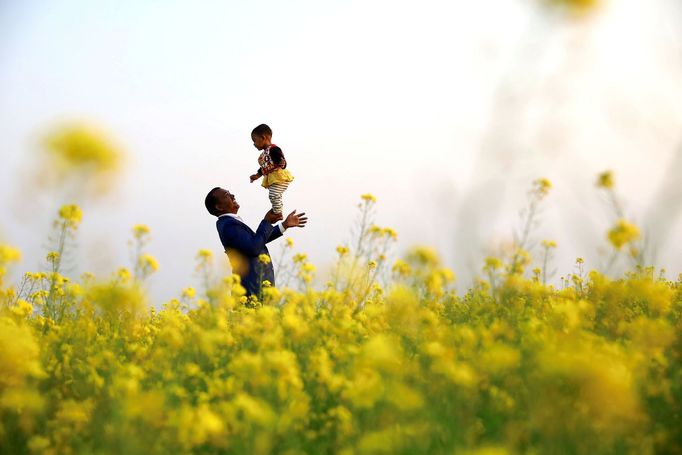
(289, 243)
(623, 233)
(204, 254)
(9, 254)
(254, 409)
(300, 257)
(22, 308)
(19, 354)
(374, 230)
(263, 258)
(148, 263)
(123, 274)
(580, 260)
(52, 257)
(367, 197)
(189, 293)
(543, 186)
(424, 256)
(372, 265)
(605, 180)
(140, 230)
(401, 268)
(82, 147)
(492, 263)
(71, 214)
(113, 298)
(390, 233)
(578, 7)
(342, 250)
(547, 244)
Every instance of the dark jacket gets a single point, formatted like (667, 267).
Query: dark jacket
(243, 246)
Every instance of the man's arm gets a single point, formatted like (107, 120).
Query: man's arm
(292, 220)
(246, 242)
(277, 232)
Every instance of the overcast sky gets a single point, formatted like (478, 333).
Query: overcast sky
(446, 111)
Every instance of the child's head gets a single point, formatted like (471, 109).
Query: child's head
(261, 136)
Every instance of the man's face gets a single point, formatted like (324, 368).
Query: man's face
(226, 202)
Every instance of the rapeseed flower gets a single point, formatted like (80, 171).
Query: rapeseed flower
(622, 234)
(401, 268)
(71, 215)
(148, 263)
(9, 254)
(140, 231)
(423, 256)
(369, 198)
(520, 366)
(543, 186)
(204, 254)
(82, 147)
(605, 180)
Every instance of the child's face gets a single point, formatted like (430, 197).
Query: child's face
(260, 142)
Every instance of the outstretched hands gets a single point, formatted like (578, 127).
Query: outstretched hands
(294, 220)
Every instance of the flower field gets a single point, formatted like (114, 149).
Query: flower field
(384, 358)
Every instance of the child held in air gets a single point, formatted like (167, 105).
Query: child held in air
(272, 166)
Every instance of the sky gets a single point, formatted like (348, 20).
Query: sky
(445, 111)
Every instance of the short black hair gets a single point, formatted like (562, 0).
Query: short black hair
(211, 201)
(262, 130)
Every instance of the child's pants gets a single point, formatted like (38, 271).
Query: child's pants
(275, 195)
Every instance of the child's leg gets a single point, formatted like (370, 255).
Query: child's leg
(275, 195)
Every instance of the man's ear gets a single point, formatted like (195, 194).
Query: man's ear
(220, 205)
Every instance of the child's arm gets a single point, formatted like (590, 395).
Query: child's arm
(256, 176)
(278, 157)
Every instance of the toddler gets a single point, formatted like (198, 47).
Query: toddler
(272, 166)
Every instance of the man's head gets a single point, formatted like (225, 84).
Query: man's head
(261, 136)
(219, 201)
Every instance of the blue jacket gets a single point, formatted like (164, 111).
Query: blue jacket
(243, 246)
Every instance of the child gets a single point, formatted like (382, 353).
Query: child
(276, 177)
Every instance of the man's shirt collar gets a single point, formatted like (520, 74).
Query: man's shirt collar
(231, 215)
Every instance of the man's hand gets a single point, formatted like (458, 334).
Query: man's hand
(254, 177)
(272, 217)
(294, 220)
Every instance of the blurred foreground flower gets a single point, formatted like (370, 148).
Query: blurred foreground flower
(7, 254)
(623, 233)
(71, 215)
(575, 7)
(605, 180)
(368, 197)
(81, 155)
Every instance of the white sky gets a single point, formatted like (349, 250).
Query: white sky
(446, 111)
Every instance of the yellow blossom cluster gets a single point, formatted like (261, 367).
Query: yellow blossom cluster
(82, 146)
(403, 366)
(622, 234)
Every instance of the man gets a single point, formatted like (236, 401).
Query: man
(242, 245)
